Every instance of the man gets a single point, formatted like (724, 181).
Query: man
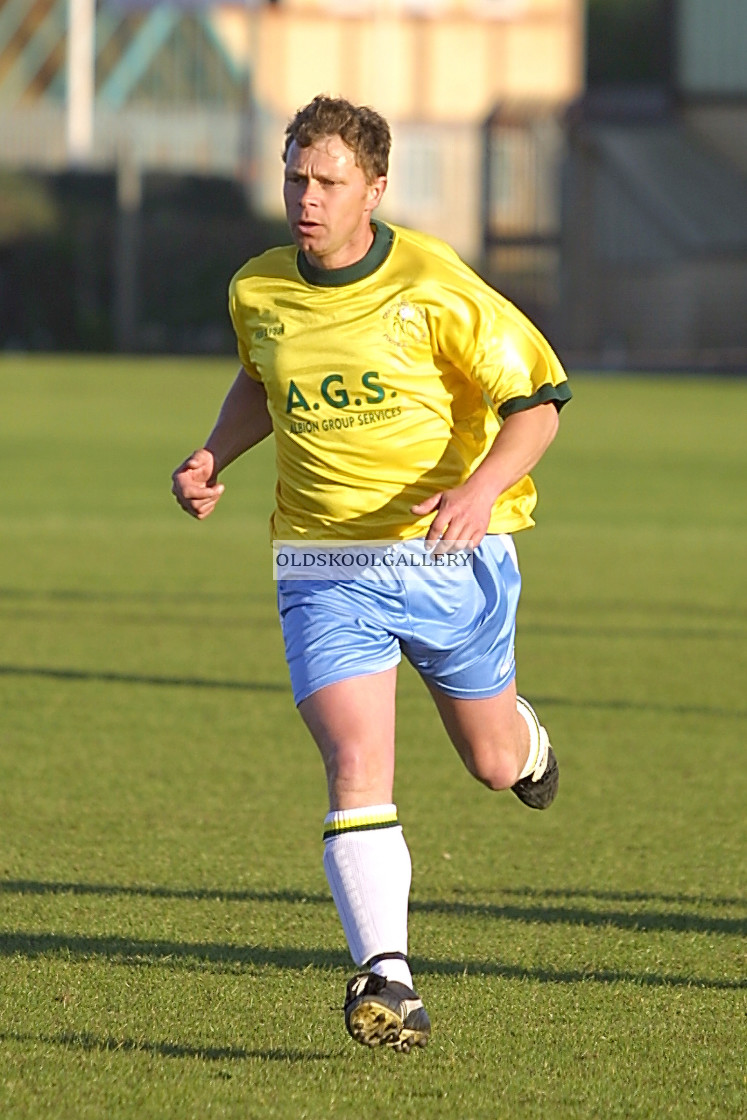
(382, 364)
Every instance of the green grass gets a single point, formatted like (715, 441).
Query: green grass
(167, 944)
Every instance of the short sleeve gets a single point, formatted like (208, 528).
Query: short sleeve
(514, 363)
(241, 343)
(497, 346)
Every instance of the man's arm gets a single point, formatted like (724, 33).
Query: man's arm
(243, 421)
(463, 514)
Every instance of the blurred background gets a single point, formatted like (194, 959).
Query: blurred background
(588, 157)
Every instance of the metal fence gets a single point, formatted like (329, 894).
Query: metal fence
(524, 151)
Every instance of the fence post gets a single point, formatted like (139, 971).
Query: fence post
(127, 251)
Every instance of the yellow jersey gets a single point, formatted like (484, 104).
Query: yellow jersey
(386, 382)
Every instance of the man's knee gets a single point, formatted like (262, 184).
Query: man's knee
(496, 769)
(349, 763)
(495, 756)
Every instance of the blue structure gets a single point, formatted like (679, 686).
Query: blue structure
(163, 54)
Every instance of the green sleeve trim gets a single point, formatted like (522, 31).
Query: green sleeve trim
(558, 394)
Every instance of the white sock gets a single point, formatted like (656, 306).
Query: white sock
(536, 762)
(368, 869)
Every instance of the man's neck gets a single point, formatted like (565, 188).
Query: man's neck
(382, 238)
(349, 255)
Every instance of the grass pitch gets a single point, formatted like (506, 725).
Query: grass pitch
(168, 948)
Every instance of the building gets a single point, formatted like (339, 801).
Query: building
(207, 89)
(654, 225)
(436, 69)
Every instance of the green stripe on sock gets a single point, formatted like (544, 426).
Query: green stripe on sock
(341, 827)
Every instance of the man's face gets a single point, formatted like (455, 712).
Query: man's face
(328, 202)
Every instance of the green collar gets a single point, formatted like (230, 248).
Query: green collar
(338, 277)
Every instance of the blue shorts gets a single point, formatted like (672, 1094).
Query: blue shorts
(458, 633)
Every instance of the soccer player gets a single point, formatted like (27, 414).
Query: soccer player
(408, 401)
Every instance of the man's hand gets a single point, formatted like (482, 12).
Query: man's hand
(462, 515)
(195, 486)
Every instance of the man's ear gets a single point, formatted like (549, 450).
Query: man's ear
(376, 191)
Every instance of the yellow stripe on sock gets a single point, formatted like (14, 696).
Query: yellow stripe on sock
(360, 823)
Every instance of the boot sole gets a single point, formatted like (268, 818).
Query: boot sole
(373, 1024)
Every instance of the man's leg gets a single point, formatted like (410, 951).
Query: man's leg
(366, 859)
(352, 722)
(502, 743)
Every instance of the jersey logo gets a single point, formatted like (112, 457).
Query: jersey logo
(273, 331)
(405, 323)
(334, 393)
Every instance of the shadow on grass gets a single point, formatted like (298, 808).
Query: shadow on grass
(638, 922)
(635, 920)
(178, 894)
(63, 674)
(593, 609)
(678, 899)
(134, 678)
(639, 706)
(615, 631)
(75, 1040)
(53, 673)
(234, 958)
(80, 595)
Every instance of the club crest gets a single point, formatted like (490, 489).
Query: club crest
(405, 323)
